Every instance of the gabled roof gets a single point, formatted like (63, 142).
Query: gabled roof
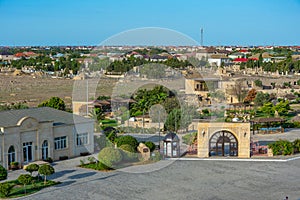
(42, 114)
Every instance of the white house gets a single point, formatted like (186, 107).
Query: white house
(28, 135)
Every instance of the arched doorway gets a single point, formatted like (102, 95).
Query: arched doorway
(11, 154)
(223, 143)
(45, 150)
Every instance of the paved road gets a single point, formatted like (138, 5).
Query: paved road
(289, 134)
(179, 180)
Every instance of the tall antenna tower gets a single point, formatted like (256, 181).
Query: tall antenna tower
(202, 37)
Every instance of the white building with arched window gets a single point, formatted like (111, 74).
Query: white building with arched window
(28, 135)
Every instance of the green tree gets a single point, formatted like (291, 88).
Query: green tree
(170, 103)
(46, 170)
(3, 173)
(187, 114)
(268, 109)
(25, 179)
(5, 188)
(97, 114)
(32, 168)
(260, 60)
(261, 98)
(54, 102)
(282, 107)
(173, 120)
(146, 98)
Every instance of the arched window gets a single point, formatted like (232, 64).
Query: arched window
(11, 154)
(223, 143)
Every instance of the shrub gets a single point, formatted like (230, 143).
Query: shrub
(296, 145)
(283, 147)
(91, 159)
(63, 157)
(3, 173)
(49, 160)
(127, 139)
(96, 166)
(205, 111)
(109, 156)
(101, 166)
(150, 145)
(5, 188)
(14, 164)
(190, 138)
(127, 147)
(157, 156)
(32, 168)
(128, 152)
(258, 83)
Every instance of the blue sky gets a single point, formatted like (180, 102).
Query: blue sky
(89, 22)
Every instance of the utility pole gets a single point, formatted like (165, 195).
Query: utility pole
(201, 37)
(87, 97)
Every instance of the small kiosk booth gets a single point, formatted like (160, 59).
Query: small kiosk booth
(171, 146)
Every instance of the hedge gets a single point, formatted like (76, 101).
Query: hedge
(110, 156)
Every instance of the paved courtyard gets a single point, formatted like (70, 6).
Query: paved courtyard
(200, 179)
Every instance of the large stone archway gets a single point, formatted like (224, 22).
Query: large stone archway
(223, 143)
(223, 139)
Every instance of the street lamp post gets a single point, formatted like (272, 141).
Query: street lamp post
(159, 129)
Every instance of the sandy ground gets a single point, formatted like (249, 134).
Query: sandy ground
(35, 90)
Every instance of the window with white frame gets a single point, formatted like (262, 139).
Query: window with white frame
(82, 139)
(60, 142)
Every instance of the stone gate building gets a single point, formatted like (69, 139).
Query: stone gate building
(223, 139)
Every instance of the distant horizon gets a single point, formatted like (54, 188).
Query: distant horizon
(88, 45)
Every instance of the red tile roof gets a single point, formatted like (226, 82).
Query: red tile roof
(240, 60)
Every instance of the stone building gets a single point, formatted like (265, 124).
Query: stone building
(28, 135)
(223, 139)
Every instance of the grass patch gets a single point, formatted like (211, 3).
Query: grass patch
(35, 186)
(108, 123)
(96, 166)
